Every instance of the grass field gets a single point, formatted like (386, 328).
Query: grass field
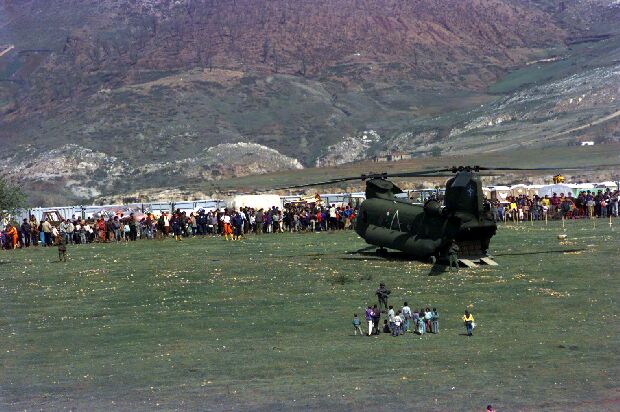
(265, 324)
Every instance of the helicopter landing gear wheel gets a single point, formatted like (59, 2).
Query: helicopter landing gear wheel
(433, 260)
(382, 252)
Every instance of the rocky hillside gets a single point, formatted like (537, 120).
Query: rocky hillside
(100, 97)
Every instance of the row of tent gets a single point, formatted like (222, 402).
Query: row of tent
(501, 193)
(266, 201)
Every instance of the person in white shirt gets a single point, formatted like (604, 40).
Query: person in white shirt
(406, 312)
(428, 317)
(227, 228)
(391, 315)
(397, 324)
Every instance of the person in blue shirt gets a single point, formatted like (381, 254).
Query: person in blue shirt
(356, 325)
(435, 321)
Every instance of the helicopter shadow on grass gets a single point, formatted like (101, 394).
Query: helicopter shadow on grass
(369, 253)
(540, 252)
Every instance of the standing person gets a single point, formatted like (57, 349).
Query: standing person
(421, 324)
(116, 227)
(428, 318)
(46, 228)
(101, 229)
(397, 324)
(258, 222)
(391, 319)
(453, 252)
(125, 231)
(193, 222)
(435, 321)
(34, 230)
(148, 226)
(382, 294)
(376, 317)
(70, 232)
(356, 325)
(26, 229)
(369, 318)
(176, 227)
(227, 228)
(333, 222)
(63, 229)
(83, 232)
(237, 226)
(275, 218)
(415, 317)
(160, 226)
(11, 236)
(468, 320)
(166, 225)
(111, 229)
(133, 230)
(406, 311)
(319, 220)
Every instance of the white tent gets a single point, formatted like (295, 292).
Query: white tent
(559, 188)
(500, 193)
(256, 201)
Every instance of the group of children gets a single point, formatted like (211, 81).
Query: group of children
(399, 321)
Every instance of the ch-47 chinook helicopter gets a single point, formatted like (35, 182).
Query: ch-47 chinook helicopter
(426, 231)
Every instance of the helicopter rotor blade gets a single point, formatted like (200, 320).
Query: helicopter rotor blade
(323, 183)
(406, 175)
(421, 173)
(364, 177)
(546, 168)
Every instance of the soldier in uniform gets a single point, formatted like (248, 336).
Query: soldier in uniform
(383, 293)
(453, 252)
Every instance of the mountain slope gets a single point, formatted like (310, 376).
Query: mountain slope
(157, 82)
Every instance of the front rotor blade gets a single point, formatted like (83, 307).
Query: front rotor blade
(323, 183)
(548, 168)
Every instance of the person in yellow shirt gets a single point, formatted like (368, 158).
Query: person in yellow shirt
(468, 320)
(513, 210)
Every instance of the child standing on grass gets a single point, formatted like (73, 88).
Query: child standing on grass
(397, 324)
(421, 325)
(468, 320)
(435, 321)
(401, 316)
(391, 315)
(356, 325)
(386, 327)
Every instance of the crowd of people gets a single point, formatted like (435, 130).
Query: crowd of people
(234, 224)
(401, 321)
(588, 204)
(229, 223)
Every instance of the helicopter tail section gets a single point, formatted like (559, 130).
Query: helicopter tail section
(381, 189)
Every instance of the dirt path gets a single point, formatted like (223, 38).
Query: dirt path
(8, 49)
(585, 126)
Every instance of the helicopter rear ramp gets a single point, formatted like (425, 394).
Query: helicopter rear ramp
(483, 261)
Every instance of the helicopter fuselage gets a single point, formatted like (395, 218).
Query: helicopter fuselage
(421, 231)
